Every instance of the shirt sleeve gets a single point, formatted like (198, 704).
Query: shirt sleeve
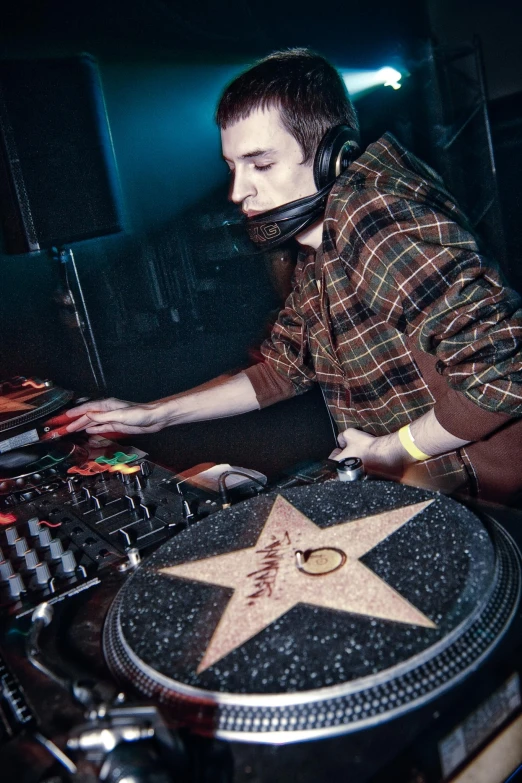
(286, 369)
(422, 272)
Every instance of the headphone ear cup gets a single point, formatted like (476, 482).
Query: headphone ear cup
(334, 154)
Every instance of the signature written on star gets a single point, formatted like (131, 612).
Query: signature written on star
(264, 578)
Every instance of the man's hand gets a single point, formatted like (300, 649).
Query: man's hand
(382, 456)
(108, 416)
(385, 455)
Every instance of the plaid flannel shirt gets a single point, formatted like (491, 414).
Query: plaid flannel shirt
(398, 283)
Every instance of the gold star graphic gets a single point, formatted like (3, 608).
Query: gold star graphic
(16, 401)
(294, 561)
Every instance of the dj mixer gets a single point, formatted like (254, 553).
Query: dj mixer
(157, 629)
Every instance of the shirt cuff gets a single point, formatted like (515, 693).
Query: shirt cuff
(270, 387)
(465, 419)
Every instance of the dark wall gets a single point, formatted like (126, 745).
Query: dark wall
(173, 299)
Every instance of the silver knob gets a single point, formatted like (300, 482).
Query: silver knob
(21, 546)
(16, 585)
(350, 469)
(68, 562)
(11, 534)
(34, 526)
(45, 537)
(56, 549)
(31, 559)
(42, 573)
(6, 570)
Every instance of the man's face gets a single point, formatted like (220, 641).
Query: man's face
(265, 161)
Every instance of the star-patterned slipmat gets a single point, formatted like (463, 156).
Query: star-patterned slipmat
(314, 611)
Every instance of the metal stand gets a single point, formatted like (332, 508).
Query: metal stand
(461, 135)
(65, 257)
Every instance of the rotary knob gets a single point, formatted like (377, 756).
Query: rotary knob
(11, 534)
(6, 570)
(68, 564)
(56, 549)
(45, 537)
(34, 526)
(21, 546)
(31, 559)
(42, 573)
(16, 585)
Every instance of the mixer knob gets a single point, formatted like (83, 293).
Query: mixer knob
(6, 570)
(68, 562)
(21, 546)
(86, 492)
(45, 537)
(95, 500)
(56, 549)
(11, 534)
(34, 526)
(31, 559)
(16, 585)
(42, 573)
(145, 468)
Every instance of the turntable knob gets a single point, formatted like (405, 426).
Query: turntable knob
(6, 570)
(21, 546)
(16, 585)
(31, 559)
(350, 469)
(45, 537)
(42, 573)
(56, 549)
(34, 526)
(11, 535)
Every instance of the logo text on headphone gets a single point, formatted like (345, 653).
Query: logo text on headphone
(264, 232)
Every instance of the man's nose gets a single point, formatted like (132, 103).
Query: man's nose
(241, 187)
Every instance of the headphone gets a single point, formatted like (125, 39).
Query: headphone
(337, 149)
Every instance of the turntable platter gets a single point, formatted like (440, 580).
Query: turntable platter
(31, 464)
(24, 400)
(315, 612)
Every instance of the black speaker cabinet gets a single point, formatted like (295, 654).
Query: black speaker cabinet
(58, 180)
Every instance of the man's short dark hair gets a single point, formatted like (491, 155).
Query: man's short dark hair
(307, 89)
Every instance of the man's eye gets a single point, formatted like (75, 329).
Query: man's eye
(263, 168)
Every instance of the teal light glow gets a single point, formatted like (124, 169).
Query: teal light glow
(360, 82)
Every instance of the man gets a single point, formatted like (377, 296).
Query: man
(409, 331)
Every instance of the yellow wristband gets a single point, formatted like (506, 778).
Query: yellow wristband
(406, 439)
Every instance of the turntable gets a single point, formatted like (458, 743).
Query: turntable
(24, 405)
(315, 612)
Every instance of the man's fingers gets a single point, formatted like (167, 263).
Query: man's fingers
(116, 426)
(335, 453)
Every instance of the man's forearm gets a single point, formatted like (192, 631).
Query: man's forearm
(428, 435)
(226, 396)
